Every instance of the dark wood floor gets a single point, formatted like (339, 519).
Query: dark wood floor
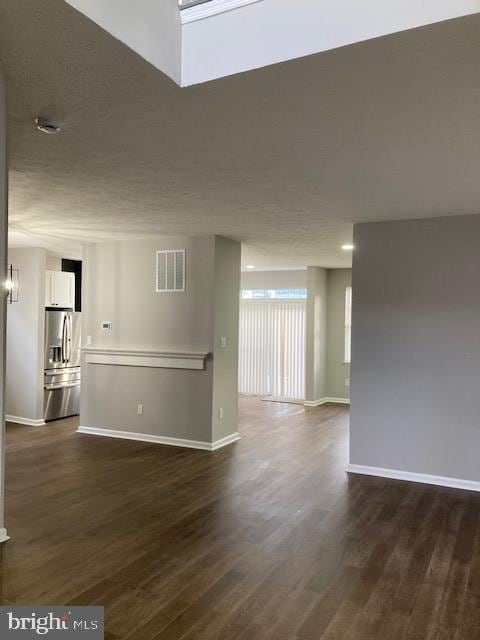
(267, 539)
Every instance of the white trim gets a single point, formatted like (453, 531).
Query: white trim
(317, 403)
(409, 476)
(223, 442)
(280, 399)
(27, 421)
(263, 269)
(174, 442)
(314, 403)
(155, 359)
(211, 8)
(3, 535)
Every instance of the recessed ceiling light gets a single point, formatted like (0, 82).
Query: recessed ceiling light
(250, 266)
(45, 126)
(348, 247)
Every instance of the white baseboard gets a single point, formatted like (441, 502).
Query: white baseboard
(173, 442)
(282, 400)
(3, 535)
(317, 403)
(27, 421)
(409, 476)
(223, 442)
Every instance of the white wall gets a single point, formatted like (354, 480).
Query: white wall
(272, 31)
(25, 336)
(416, 347)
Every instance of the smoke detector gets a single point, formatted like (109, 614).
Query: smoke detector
(45, 126)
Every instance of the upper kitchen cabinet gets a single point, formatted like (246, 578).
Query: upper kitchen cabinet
(60, 289)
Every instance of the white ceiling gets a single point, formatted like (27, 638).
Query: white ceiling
(284, 158)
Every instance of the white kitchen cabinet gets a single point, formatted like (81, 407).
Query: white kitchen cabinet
(60, 289)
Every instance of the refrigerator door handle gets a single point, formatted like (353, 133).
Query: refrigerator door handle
(62, 385)
(64, 331)
(69, 337)
(59, 372)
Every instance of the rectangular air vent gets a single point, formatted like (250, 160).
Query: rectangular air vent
(171, 270)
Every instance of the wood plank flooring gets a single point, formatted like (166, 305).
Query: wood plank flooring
(268, 539)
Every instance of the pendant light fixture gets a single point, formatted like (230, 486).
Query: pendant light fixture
(11, 284)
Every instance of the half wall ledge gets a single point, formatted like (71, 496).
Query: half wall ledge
(140, 358)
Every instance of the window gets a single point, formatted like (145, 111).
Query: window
(273, 294)
(348, 324)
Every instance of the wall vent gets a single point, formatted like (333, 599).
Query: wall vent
(171, 270)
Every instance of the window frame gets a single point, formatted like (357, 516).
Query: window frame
(265, 294)
(347, 347)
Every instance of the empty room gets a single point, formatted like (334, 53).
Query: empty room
(240, 319)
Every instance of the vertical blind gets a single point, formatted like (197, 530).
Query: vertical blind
(272, 348)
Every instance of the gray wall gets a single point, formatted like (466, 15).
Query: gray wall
(292, 279)
(226, 324)
(337, 371)
(119, 286)
(3, 271)
(416, 346)
(316, 335)
(25, 336)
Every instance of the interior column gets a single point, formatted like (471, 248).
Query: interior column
(316, 337)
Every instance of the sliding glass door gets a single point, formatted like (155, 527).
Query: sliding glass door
(272, 348)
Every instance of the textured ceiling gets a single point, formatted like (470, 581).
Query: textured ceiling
(284, 158)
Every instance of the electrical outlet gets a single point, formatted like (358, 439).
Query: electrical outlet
(106, 325)
(140, 409)
(89, 340)
(223, 342)
(220, 413)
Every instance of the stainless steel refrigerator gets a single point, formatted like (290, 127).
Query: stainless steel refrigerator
(62, 364)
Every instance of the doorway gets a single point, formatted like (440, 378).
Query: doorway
(272, 348)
